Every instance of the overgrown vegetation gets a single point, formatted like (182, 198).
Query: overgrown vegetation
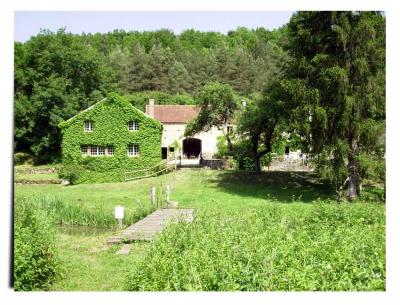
(99, 215)
(110, 119)
(271, 247)
(275, 230)
(36, 263)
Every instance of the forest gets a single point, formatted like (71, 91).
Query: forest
(59, 74)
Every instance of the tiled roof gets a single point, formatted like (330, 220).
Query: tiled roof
(174, 113)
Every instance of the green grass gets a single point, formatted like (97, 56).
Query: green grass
(246, 225)
(273, 247)
(92, 265)
(44, 176)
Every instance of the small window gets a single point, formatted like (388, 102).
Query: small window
(171, 149)
(133, 150)
(93, 150)
(110, 150)
(84, 150)
(133, 126)
(100, 150)
(88, 126)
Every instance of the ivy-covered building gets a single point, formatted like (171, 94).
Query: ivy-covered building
(108, 139)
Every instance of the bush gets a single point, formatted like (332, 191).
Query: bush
(318, 247)
(35, 259)
(21, 158)
(222, 148)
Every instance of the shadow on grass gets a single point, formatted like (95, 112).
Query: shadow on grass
(285, 187)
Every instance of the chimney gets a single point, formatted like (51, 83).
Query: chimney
(151, 108)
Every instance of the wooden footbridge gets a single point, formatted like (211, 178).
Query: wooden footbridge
(147, 228)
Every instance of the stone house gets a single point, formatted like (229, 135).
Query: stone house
(104, 141)
(174, 119)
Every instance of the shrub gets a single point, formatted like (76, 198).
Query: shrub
(222, 148)
(317, 247)
(21, 158)
(35, 259)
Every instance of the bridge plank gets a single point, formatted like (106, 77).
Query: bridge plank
(147, 228)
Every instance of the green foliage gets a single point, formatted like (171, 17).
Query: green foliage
(243, 155)
(336, 76)
(222, 148)
(21, 158)
(372, 168)
(55, 77)
(36, 263)
(78, 213)
(217, 103)
(110, 117)
(262, 125)
(325, 247)
(141, 99)
(58, 74)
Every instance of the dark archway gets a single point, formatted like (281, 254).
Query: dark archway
(191, 147)
(164, 152)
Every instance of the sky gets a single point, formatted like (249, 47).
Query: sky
(29, 23)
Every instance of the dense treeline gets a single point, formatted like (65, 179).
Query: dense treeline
(59, 74)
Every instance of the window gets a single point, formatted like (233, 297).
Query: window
(132, 125)
(110, 150)
(84, 150)
(93, 150)
(88, 126)
(133, 150)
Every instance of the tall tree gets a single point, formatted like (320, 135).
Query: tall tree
(337, 71)
(263, 122)
(56, 76)
(217, 103)
(179, 79)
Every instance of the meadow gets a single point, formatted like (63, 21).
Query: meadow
(273, 231)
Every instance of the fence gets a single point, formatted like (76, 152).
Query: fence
(158, 169)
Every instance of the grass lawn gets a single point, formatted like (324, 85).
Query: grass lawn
(254, 232)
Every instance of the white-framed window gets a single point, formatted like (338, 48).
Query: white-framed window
(88, 126)
(84, 149)
(133, 150)
(93, 150)
(110, 150)
(133, 125)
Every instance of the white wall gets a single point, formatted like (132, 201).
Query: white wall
(208, 139)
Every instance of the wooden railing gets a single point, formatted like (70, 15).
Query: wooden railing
(152, 171)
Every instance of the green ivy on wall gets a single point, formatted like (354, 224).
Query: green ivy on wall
(110, 119)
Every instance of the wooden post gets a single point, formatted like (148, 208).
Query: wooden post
(168, 192)
(153, 196)
(160, 196)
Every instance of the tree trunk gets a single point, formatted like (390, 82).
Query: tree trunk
(353, 172)
(256, 155)
(257, 163)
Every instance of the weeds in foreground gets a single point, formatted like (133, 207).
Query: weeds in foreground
(319, 247)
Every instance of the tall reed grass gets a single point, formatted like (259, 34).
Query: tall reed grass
(272, 248)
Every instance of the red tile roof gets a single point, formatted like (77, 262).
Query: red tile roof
(174, 113)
